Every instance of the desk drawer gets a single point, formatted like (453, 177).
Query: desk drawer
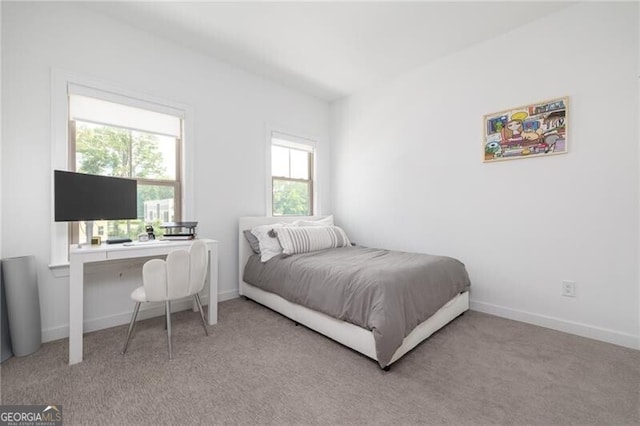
(88, 257)
(141, 252)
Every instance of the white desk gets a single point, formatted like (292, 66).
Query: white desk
(79, 256)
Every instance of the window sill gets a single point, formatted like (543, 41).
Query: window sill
(60, 270)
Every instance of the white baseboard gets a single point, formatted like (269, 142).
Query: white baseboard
(228, 295)
(592, 332)
(146, 311)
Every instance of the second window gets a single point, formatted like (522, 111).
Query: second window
(292, 177)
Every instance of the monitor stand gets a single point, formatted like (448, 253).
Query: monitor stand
(88, 226)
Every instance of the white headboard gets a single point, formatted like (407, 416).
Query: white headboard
(244, 250)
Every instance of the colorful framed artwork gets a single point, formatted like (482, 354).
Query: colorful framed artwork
(534, 130)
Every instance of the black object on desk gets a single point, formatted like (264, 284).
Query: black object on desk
(114, 240)
(179, 230)
(150, 233)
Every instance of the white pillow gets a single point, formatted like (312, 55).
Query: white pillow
(269, 246)
(305, 239)
(325, 221)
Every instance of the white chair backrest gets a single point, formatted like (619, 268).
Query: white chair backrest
(177, 274)
(199, 261)
(182, 274)
(154, 280)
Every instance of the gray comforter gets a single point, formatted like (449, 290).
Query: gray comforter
(386, 292)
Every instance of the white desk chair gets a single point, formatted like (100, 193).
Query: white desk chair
(182, 274)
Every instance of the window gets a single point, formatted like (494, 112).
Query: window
(113, 139)
(292, 176)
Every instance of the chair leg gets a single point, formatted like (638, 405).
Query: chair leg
(165, 316)
(204, 322)
(131, 325)
(168, 319)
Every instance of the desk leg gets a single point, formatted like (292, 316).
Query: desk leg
(213, 284)
(76, 278)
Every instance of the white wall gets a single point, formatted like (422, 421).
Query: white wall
(232, 109)
(407, 171)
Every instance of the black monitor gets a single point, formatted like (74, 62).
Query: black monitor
(80, 196)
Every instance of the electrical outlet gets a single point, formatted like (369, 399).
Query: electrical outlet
(569, 288)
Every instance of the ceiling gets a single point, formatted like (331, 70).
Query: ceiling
(327, 49)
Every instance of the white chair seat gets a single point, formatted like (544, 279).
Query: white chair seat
(139, 295)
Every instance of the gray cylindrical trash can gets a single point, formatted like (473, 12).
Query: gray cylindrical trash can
(5, 341)
(23, 304)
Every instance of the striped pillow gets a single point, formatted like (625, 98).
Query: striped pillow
(311, 238)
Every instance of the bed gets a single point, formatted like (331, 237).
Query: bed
(360, 338)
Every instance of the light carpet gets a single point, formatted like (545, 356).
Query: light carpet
(257, 367)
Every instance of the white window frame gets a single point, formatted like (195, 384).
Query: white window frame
(296, 142)
(61, 84)
(177, 119)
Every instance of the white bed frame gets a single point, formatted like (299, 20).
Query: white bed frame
(350, 335)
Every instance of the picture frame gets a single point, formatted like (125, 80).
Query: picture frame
(539, 129)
